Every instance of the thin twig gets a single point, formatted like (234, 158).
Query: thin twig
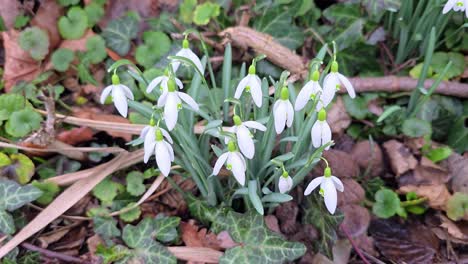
(356, 248)
(52, 254)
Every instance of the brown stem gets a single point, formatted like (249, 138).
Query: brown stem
(52, 254)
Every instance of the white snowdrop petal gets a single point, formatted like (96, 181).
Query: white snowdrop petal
(220, 162)
(239, 155)
(349, 87)
(144, 131)
(162, 99)
(316, 134)
(163, 159)
(256, 90)
(241, 86)
(120, 101)
(171, 111)
(105, 93)
(150, 136)
(254, 125)
(448, 6)
(149, 150)
(166, 135)
(312, 185)
(326, 134)
(285, 184)
(154, 83)
(128, 93)
(338, 184)
(245, 142)
(238, 169)
(170, 150)
(280, 115)
(194, 58)
(290, 114)
(304, 96)
(329, 88)
(189, 100)
(179, 83)
(330, 195)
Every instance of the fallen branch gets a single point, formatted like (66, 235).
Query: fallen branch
(52, 254)
(283, 57)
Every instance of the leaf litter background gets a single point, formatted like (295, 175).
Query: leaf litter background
(165, 226)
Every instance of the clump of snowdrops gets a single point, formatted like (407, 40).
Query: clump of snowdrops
(266, 139)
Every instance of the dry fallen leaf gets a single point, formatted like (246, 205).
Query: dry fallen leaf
(453, 229)
(46, 18)
(9, 10)
(369, 157)
(430, 174)
(401, 159)
(272, 223)
(84, 113)
(193, 236)
(19, 66)
(287, 216)
(341, 163)
(458, 167)
(353, 193)
(356, 219)
(76, 135)
(338, 117)
(437, 195)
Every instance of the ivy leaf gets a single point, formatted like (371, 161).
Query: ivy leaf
(145, 249)
(61, 59)
(49, 191)
(166, 228)
(111, 254)
(68, 2)
(120, 32)
(74, 25)
(95, 49)
(377, 8)
(35, 41)
(131, 215)
(156, 44)
(106, 226)
(457, 206)
(7, 224)
(386, 203)
(415, 127)
(107, 190)
(17, 166)
(135, 184)
(14, 196)
(94, 12)
(205, 12)
(317, 215)
(23, 122)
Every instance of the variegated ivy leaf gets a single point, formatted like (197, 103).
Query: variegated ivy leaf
(14, 195)
(7, 224)
(166, 228)
(106, 226)
(144, 248)
(258, 243)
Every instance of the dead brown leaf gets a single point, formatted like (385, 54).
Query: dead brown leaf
(375, 107)
(53, 236)
(453, 229)
(272, 223)
(338, 117)
(437, 195)
(356, 219)
(458, 167)
(353, 194)
(287, 216)
(19, 66)
(117, 8)
(87, 114)
(429, 173)
(76, 135)
(341, 163)
(46, 18)
(9, 10)
(194, 236)
(369, 157)
(401, 159)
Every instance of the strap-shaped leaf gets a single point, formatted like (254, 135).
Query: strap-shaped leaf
(14, 196)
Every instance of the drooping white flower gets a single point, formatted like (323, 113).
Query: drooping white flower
(283, 111)
(309, 92)
(162, 82)
(244, 136)
(251, 83)
(321, 132)
(456, 5)
(120, 93)
(155, 144)
(285, 183)
(187, 53)
(172, 103)
(332, 83)
(328, 186)
(235, 162)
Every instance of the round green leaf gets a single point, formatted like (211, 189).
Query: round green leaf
(204, 12)
(68, 2)
(74, 25)
(96, 49)
(441, 59)
(156, 44)
(61, 59)
(415, 127)
(457, 206)
(23, 122)
(35, 41)
(131, 215)
(386, 203)
(94, 12)
(135, 184)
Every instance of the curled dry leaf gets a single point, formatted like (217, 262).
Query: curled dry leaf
(338, 117)
(46, 18)
(9, 10)
(272, 223)
(356, 219)
(369, 157)
(446, 229)
(194, 236)
(429, 173)
(401, 159)
(437, 195)
(87, 114)
(353, 194)
(341, 163)
(458, 167)
(76, 135)
(19, 66)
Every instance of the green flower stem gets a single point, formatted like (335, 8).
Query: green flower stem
(413, 202)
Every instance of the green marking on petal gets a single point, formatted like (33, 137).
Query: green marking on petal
(179, 106)
(338, 86)
(229, 166)
(247, 89)
(322, 192)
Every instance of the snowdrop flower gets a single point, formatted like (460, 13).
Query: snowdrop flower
(285, 182)
(321, 132)
(309, 92)
(162, 81)
(172, 103)
(332, 83)
(251, 83)
(328, 186)
(235, 162)
(283, 111)
(155, 144)
(120, 94)
(243, 135)
(187, 53)
(456, 5)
